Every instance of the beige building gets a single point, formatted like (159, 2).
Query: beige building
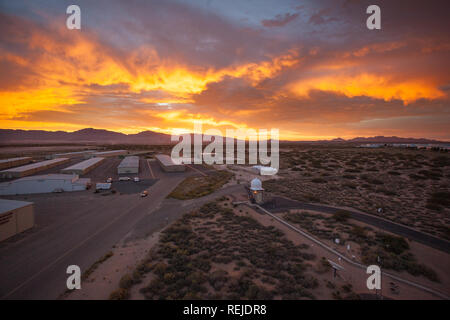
(15, 217)
(32, 168)
(14, 162)
(83, 167)
(168, 165)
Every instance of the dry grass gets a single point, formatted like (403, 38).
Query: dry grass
(195, 187)
(411, 186)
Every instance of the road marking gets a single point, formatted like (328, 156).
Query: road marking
(151, 171)
(202, 173)
(68, 252)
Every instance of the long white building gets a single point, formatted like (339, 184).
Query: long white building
(128, 165)
(70, 154)
(32, 168)
(167, 163)
(13, 162)
(83, 167)
(111, 153)
(45, 184)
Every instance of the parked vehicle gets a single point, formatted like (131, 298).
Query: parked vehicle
(103, 186)
(144, 193)
(109, 180)
(136, 179)
(124, 179)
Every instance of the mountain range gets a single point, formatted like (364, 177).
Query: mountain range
(101, 136)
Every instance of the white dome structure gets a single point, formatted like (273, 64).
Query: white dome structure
(256, 185)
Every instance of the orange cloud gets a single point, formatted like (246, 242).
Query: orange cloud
(369, 85)
(66, 70)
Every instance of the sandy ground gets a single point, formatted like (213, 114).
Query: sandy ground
(357, 277)
(126, 256)
(105, 278)
(435, 259)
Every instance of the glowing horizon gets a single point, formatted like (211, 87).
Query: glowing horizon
(137, 71)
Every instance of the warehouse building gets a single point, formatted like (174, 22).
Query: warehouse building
(168, 165)
(111, 153)
(14, 162)
(32, 168)
(70, 154)
(128, 165)
(45, 184)
(15, 217)
(264, 171)
(84, 166)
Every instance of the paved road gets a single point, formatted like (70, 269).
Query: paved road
(172, 209)
(34, 267)
(282, 204)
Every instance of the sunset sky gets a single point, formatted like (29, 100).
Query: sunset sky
(309, 68)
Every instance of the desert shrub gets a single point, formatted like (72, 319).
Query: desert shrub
(386, 191)
(126, 282)
(341, 216)
(119, 294)
(440, 198)
(393, 244)
(371, 180)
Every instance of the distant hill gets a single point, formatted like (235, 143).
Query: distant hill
(377, 139)
(393, 139)
(88, 135)
(100, 136)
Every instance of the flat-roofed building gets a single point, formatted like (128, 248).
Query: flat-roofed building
(129, 165)
(74, 154)
(45, 184)
(14, 162)
(83, 167)
(111, 153)
(15, 217)
(168, 165)
(32, 168)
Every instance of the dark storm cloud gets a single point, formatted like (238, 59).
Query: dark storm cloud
(279, 20)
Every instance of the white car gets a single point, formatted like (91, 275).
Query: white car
(136, 179)
(124, 179)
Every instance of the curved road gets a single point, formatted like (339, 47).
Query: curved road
(282, 204)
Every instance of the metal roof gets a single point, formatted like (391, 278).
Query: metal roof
(14, 159)
(84, 164)
(52, 176)
(166, 160)
(8, 205)
(109, 152)
(35, 165)
(72, 153)
(131, 161)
